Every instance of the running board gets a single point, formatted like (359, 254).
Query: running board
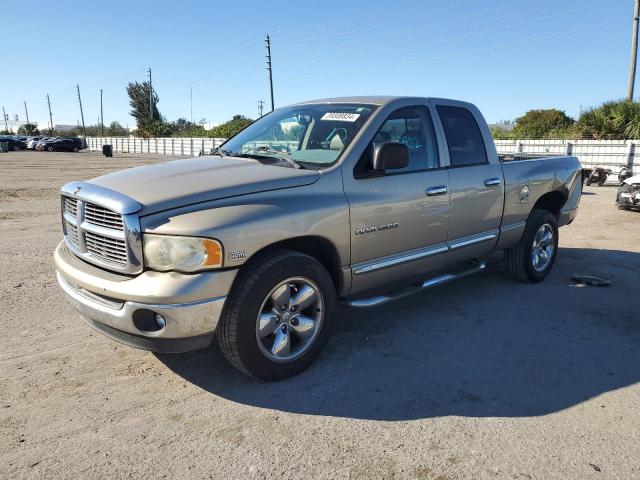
(478, 266)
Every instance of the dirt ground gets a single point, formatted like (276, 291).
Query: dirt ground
(483, 378)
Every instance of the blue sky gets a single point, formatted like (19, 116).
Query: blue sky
(507, 56)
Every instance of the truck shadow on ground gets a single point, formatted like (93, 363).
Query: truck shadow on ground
(485, 346)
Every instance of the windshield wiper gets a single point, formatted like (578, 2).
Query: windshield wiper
(282, 156)
(218, 151)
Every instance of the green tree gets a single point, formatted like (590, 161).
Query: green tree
(545, 123)
(610, 121)
(139, 95)
(28, 129)
(230, 128)
(503, 130)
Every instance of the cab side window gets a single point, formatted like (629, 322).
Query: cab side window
(464, 139)
(411, 126)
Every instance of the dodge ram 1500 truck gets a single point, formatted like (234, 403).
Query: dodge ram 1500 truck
(361, 200)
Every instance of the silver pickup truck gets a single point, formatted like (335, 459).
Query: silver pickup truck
(359, 200)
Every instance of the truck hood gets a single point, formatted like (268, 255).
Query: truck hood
(164, 186)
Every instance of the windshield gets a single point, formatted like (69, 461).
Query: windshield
(305, 135)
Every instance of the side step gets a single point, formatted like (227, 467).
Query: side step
(378, 300)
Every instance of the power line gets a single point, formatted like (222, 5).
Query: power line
(477, 51)
(368, 52)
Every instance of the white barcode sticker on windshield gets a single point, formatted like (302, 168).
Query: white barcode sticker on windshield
(341, 116)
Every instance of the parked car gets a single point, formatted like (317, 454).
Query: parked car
(39, 145)
(14, 143)
(629, 193)
(362, 200)
(62, 145)
(32, 142)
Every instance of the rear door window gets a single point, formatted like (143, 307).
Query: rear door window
(464, 139)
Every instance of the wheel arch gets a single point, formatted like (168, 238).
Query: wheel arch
(320, 248)
(552, 201)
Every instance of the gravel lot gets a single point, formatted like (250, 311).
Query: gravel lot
(483, 378)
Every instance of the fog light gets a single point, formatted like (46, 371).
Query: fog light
(148, 321)
(160, 321)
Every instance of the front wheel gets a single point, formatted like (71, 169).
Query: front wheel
(277, 320)
(531, 260)
(50, 149)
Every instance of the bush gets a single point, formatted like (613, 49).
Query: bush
(549, 123)
(230, 128)
(611, 121)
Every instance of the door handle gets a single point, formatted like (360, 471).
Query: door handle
(437, 190)
(492, 182)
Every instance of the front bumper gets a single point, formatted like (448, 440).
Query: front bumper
(190, 305)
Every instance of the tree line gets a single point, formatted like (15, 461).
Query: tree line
(614, 120)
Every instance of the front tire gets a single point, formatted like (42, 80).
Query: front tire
(531, 260)
(277, 319)
(50, 149)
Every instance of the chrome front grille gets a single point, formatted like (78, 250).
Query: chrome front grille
(97, 215)
(102, 227)
(110, 249)
(72, 233)
(71, 206)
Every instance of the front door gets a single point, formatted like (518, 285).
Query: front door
(399, 218)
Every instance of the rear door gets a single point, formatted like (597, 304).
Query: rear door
(476, 181)
(399, 218)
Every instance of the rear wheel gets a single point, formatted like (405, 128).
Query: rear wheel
(531, 260)
(50, 149)
(277, 319)
(75, 149)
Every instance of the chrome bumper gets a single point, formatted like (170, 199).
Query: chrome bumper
(189, 326)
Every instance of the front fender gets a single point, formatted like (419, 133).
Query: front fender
(246, 224)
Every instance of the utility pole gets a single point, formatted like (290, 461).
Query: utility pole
(84, 130)
(50, 117)
(260, 107)
(150, 96)
(269, 68)
(26, 112)
(634, 51)
(4, 116)
(191, 104)
(101, 116)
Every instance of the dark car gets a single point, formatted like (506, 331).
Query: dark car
(14, 142)
(63, 145)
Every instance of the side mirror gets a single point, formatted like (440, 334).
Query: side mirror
(390, 155)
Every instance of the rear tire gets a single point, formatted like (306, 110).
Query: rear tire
(50, 149)
(531, 260)
(75, 149)
(283, 274)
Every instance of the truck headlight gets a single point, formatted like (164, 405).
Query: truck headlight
(185, 254)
